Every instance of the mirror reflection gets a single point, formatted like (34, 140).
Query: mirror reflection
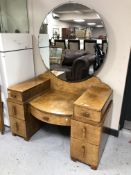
(73, 42)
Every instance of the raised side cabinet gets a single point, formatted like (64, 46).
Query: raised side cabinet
(92, 112)
(22, 122)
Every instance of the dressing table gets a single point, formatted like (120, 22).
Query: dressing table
(84, 106)
(69, 93)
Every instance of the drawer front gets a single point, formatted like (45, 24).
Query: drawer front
(16, 110)
(15, 95)
(86, 132)
(84, 152)
(27, 93)
(83, 114)
(18, 127)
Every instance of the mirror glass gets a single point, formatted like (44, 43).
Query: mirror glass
(73, 42)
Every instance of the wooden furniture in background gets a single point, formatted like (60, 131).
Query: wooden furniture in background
(22, 122)
(85, 106)
(1, 116)
(65, 33)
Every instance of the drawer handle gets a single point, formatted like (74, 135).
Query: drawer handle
(14, 110)
(13, 95)
(84, 132)
(86, 114)
(16, 126)
(83, 151)
(46, 118)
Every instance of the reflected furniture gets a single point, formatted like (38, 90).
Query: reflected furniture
(84, 106)
(60, 44)
(74, 44)
(1, 116)
(89, 46)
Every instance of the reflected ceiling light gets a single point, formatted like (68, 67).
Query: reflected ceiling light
(91, 23)
(100, 25)
(79, 20)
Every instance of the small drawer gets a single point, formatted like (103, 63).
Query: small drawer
(15, 95)
(18, 127)
(83, 114)
(84, 152)
(16, 110)
(86, 132)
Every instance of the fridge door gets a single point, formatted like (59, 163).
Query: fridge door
(13, 41)
(16, 63)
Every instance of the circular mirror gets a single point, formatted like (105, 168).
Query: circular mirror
(73, 42)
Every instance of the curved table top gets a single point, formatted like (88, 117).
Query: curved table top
(55, 107)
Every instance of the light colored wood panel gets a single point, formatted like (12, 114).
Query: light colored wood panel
(68, 87)
(84, 152)
(26, 85)
(18, 127)
(26, 90)
(55, 102)
(15, 95)
(86, 132)
(83, 114)
(95, 97)
(62, 120)
(17, 110)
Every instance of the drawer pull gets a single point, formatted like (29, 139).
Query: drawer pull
(46, 119)
(14, 110)
(16, 126)
(86, 114)
(84, 132)
(83, 149)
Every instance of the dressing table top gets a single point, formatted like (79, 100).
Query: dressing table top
(95, 97)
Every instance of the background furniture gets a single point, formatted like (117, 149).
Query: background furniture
(1, 116)
(74, 44)
(60, 44)
(90, 100)
(89, 46)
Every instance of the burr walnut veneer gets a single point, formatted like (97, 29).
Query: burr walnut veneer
(85, 106)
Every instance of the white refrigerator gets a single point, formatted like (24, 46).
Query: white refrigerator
(44, 49)
(16, 63)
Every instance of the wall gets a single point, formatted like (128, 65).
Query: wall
(14, 15)
(96, 32)
(116, 15)
(3, 17)
(53, 23)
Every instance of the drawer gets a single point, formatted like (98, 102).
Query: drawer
(86, 132)
(16, 110)
(83, 114)
(15, 95)
(18, 127)
(27, 90)
(84, 152)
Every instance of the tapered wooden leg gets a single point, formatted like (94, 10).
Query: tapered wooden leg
(13, 134)
(94, 167)
(73, 159)
(26, 138)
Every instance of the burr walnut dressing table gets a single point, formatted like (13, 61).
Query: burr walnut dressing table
(85, 106)
(68, 94)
